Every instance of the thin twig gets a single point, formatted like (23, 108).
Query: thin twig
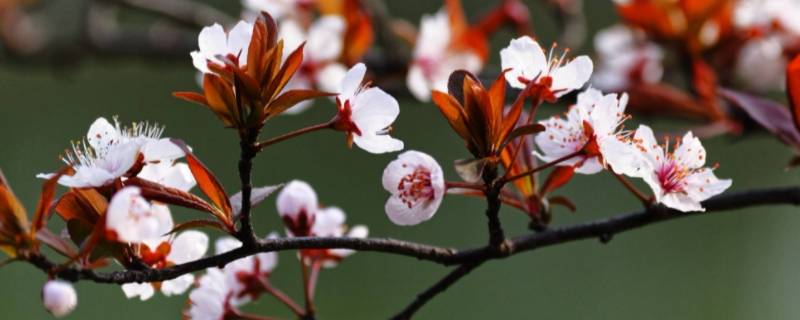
(436, 289)
(282, 297)
(261, 145)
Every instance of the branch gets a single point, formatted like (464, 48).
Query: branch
(602, 229)
(436, 289)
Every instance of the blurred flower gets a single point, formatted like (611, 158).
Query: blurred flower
(417, 185)
(678, 179)
(211, 299)
(323, 47)
(297, 205)
(133, 219)
(366, 113)
(113, 152)
(591, 133)
(279, 9)
(761, 64)
(59, 297)
(330, 222)
(245, 275)
(767, 14)
(435, 57)
(166, 251)
(527, 62)
(217, 46)
(625, 60)
(169, 174)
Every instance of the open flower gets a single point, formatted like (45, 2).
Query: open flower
(59, 298)
(215, 45)
(625, 60)
(590, 136)
(366, 113)
(760, 64)
(169, 174)
(417, 185)
(297, 205)
(167, 251)
(528, 62)
(246, 274)
(679, 179)
(112, 151)
(323, 47)
(133, 219)
(211, 299)
(435, 58)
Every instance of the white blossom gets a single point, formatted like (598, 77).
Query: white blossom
(368, 113)
(297, 205)
(416, 183)
(679, 179)
(625, 60)
(592, 125)
(528, 62)
(215, 45)
(434, 59)
(59, 297)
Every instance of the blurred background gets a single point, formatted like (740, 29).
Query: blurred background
(738, 265)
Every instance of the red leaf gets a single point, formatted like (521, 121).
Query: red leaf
(194, 224)
(191, 97)
(291, 98)
(793, 89)
(563, 201)
(558, 178)
(56, 243)
(156, 192)
(771, 115)
(207, 182)
(45, 204)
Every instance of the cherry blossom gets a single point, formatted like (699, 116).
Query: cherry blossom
(625, 60)
(766, 14)
(366, 113)
(215, 45)
(131, 218)
(679, 179)
(592, 133)
(59, 297)
(528, 62)
(245, 275)
(417, 185)
(166, 173)
(167, 251)
(211, 299)
(297, 205)
(434, 58)
(323, 46)
(111, 151)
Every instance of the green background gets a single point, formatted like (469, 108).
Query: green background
(738, 265)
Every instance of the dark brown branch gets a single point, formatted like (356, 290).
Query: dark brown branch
(602, 229)
(248, 151)
(436, 289)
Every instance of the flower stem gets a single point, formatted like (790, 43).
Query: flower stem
(312, 282)
(646, 201)
(282, 297)
(544, 166)
(309, 313)
(263, 144)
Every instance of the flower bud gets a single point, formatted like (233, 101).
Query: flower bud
(297, 204)
(59, 297)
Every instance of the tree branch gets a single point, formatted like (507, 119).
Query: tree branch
(602, 229)
(436, 289)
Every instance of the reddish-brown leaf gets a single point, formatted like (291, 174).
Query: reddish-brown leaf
(771, 115)
(793, 89)
(45, 205)
(360, 34)
(82, 204)
(452, 112)
(56, 243)
(207, 182)
(191, 97)
(220, 98)
(558, 178)
(194, 224)
(525, 130)
(287, 70)
(13, 219)
(157, 192)
(563, 201)
(291, 98)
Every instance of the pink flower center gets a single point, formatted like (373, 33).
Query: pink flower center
(344, 119)
(672, 177)
(416, 187)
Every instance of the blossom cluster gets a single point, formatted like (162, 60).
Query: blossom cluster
(123, 181)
